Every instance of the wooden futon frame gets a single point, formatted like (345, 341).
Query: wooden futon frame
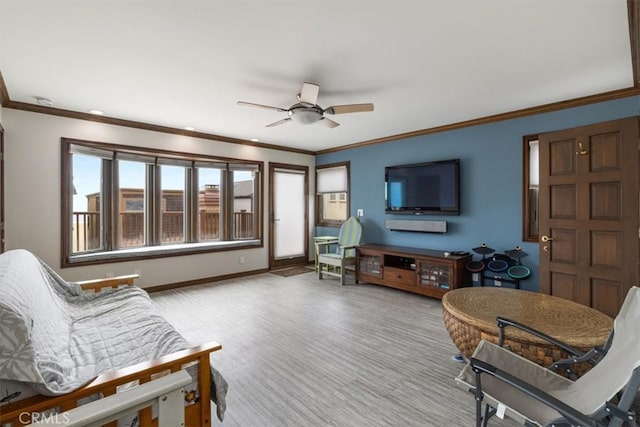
(197, 414)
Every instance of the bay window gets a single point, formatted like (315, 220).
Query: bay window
(123, 203)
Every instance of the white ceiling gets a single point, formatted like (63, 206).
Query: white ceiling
(422, 63)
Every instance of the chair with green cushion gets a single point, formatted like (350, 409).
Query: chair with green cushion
(335, 258)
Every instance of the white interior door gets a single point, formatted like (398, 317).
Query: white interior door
(289, 213)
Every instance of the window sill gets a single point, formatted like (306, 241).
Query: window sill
(149, 252)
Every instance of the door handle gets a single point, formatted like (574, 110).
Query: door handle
(545, 239)
(581, 151)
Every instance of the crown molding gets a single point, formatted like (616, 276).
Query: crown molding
(6, 102)
(547, 108)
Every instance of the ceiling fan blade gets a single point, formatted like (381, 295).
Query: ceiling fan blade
(309, 93)
(265, 107)
(349, 108)
(279, 122)
(329, 123)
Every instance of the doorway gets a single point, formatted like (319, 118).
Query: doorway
(288, 215)
(588, 206)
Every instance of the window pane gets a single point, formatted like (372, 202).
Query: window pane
(131, 203)
(209, 204)
(334, 206)
(87, 218)
(530, 181)
(243, 205)
(332, 194)
(172, 180)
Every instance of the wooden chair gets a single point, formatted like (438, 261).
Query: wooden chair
(335, 258)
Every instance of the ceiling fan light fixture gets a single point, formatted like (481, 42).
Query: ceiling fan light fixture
(305, 115)
(307, 111)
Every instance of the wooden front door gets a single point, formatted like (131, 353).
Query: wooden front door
(589, 213)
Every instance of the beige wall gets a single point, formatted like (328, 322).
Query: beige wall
(32, 194)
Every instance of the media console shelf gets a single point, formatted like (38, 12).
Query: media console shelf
(422, 271)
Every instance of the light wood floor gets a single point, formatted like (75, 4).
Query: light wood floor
(299, 351)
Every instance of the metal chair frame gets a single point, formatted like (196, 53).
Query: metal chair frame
(615, 378)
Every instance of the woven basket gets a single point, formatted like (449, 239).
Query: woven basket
(467, 337)
(469, 316)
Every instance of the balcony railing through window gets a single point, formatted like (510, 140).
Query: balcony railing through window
(86, 228)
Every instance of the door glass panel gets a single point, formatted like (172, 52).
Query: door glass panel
(289, 212)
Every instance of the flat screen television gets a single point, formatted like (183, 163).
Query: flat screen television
(431, 188)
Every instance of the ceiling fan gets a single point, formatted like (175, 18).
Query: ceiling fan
(307, 111)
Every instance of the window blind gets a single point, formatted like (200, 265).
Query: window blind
(331, 180)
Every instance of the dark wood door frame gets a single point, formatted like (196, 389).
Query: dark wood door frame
(274, 263)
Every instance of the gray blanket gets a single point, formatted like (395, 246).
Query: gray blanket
(55, 337)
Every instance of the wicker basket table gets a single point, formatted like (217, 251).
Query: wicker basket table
(470, 316)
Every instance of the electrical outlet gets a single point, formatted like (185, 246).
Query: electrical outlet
(241, 259)
(110, 274)
(497, 281)
(138, 271)
(360, 212)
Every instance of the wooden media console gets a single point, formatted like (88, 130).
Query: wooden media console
(422, 271)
